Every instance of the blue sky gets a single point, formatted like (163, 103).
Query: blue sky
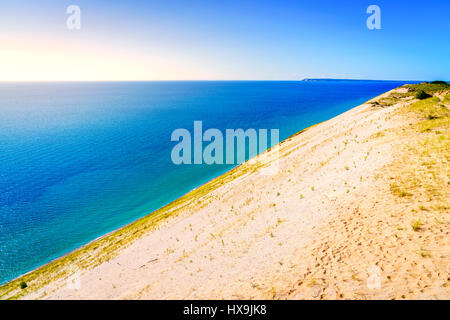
(195, 40)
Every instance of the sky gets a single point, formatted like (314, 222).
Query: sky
(223, 40)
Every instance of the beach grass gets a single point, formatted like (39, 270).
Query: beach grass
(423, 171)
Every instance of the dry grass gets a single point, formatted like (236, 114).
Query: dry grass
(425, 164)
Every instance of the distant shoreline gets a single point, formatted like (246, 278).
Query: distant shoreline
(365, 80)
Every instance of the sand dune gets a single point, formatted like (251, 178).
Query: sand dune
(328, 214)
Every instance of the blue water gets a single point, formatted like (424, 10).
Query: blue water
(78, 160)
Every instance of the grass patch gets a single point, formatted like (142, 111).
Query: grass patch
(433, 113)
(423, 170)
(430, 88)
(416, 225)
(396, 190)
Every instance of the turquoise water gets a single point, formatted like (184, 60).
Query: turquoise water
(78, 160)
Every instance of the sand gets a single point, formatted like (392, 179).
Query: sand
(321, 222)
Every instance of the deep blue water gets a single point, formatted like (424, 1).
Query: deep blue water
(78, 160)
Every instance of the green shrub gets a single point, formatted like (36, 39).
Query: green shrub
(438, 82)
(422, 95)
(23, 285)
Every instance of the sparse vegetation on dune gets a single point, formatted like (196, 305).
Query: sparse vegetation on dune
(413, 91)
(422, 173)
(429, 87)
(412, 220)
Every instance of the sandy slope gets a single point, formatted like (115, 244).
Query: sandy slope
(325, 226)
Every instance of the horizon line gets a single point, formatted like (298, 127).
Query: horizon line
(217, 80)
